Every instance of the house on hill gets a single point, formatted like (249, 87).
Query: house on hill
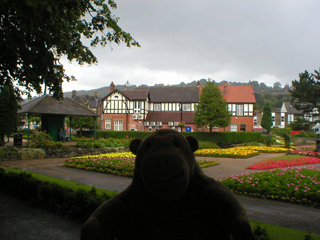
(162, 107)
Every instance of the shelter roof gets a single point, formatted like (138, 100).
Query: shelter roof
(46, 104)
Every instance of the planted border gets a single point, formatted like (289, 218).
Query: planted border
(284, 161)
(238, 152)
(296, 185)
(121, 164)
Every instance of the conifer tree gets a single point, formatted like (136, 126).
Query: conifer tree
(212, 110)
(266, 121)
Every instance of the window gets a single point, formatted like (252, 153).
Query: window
(137, 107)
(186, 107)
(233, 128)
(242, 127)
(239, 110)
(118, 125)
(107, 123)
(157, 107)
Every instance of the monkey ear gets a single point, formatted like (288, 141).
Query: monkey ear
(193, 143)
(134, 145)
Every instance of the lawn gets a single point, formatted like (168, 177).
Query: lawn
(64, 183)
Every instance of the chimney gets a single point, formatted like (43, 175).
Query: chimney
(198, 83)
(74, 94)
(225, 88)
(111, 87)
(95, 94)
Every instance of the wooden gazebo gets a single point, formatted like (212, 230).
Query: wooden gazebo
(54, 112)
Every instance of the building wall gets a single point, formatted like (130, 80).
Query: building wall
(238, 124)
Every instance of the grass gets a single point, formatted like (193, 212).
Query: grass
(280, 233)
(65, 183)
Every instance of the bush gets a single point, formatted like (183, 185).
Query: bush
(219, 138)
(77, 205)
(207, 144)
(261, 233)
(269, 140)
(303, 134)
(43, 140)
(102, 143)
(7, 153)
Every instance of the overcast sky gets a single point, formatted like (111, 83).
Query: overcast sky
(182, 40)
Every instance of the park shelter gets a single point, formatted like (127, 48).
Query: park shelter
(53, 113)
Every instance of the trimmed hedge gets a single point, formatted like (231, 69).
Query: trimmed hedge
(220, 138)
(77, 205)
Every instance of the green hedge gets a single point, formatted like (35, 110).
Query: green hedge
(75, 204)
(220, 138)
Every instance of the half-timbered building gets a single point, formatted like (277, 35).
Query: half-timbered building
(154, 108)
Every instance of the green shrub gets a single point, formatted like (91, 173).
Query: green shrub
(76, 204)
(7, 153)
(269, 140)
(219, 138)
(308, 237)
(43, 140)
(303, 134)
(102, 143)
(261, 233)
(207, 144)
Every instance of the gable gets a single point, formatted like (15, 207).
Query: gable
(238, 94)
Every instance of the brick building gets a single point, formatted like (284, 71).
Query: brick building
(153, 108)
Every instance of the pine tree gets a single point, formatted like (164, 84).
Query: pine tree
(212, 109)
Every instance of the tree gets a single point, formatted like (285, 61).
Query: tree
(9, 106)
(300, 124)
(266, 121)
(35, 34)
(82, 123)
(306, 92)
(212, 109)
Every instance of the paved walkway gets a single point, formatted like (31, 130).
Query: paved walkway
(283, 214)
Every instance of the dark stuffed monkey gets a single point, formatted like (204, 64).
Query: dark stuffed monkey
(169, 198)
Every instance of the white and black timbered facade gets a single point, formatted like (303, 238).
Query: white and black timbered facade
(153, 108)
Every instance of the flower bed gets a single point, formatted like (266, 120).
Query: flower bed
(238, 152)
(304, 152)
(287, 161)
(265, 149)
(229, 152)
(121, 164)
(297, 185)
